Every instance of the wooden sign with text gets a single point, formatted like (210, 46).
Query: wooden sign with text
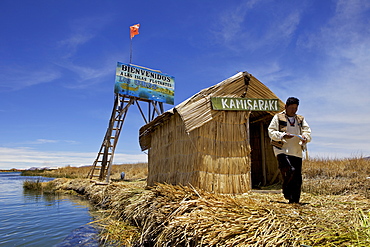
(244, 104)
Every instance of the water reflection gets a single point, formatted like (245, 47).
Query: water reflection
(31, 218)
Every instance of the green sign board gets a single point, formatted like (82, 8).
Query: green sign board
(244, 104)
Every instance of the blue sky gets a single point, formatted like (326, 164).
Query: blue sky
(58, 60)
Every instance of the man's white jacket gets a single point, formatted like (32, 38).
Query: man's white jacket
(292, 146)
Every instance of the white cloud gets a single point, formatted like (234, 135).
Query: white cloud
(76, 39)
(87, 76)
(42, 141)
(230, 24)
(17, 78)
(238, 32)
(279, 31)
(334, 94)
(343, 81)
(82, 31)
(47, 141)
(23, 158)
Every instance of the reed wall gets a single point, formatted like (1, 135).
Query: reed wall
(214, 157)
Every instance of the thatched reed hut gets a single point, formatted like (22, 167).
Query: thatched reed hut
(219, 151)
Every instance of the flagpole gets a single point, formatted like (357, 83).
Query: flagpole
(134, 30)
(130, 50)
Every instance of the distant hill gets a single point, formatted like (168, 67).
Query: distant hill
(12, 170)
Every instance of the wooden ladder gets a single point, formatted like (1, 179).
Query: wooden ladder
(103, 162)
(102, 165)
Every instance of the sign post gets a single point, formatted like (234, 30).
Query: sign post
(133, 84)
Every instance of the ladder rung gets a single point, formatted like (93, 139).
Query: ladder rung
(117, 119)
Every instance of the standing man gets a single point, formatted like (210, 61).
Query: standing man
(289, 135)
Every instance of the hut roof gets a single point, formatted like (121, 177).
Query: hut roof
(197, 110)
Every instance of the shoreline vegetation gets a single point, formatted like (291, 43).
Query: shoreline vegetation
(334, 209)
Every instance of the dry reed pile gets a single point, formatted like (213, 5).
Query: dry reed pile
(337, 214)
(183, 216)
(168, 215)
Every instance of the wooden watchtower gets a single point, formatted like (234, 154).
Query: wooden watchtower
(134, 85)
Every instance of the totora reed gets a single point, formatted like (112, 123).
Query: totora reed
(334, 211)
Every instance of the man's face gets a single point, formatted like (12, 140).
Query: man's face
(291, 110)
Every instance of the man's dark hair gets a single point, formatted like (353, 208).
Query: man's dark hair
(291, 101)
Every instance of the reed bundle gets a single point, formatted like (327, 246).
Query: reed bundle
(214, 157)
(168, 215)
(183, 216)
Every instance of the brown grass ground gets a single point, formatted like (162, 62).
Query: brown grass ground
(335, 210)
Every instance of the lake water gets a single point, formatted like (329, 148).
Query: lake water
(33, 219)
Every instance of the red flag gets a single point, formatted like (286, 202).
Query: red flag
(134, 30)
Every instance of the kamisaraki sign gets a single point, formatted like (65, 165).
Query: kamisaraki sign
(244, 104)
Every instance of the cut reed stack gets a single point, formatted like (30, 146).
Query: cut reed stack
(211, 149)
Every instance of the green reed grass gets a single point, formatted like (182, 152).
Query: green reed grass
(362, 231)
(34, 185)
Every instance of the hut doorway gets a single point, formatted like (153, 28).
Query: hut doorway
(264, 166)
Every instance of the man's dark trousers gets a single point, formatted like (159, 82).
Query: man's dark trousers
(291, 171)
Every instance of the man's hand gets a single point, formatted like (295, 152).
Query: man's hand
(289, 136)
(304, 140)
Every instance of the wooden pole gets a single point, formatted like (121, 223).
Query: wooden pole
(263, 153)
(130, 50)
(249, 155)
